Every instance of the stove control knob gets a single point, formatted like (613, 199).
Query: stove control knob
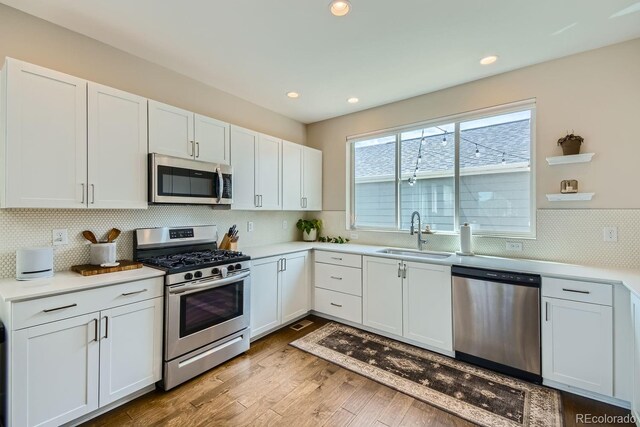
(215, 271)
(198, 274)
(230, 268)
(188, 276)
(238, 266)
(223, 272)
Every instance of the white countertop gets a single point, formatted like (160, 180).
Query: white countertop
(68, 281)
(629, 277)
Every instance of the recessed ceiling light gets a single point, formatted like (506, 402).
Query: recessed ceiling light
(353, 100)
(488, 59)
(293, 95)
(340, 7)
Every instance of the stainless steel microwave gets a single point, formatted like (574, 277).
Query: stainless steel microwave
(173, 180)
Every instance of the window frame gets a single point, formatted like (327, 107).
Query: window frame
(456, 119)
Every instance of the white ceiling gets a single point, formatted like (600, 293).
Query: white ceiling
(383, 51)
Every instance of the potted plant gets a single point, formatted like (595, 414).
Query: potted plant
(570, 144)
(309, 228)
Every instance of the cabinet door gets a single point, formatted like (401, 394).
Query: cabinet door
(635, 313)
(382, 294)
(243, 159)
(130, 348)
(212, 140)
(55, 372)
(265, 295)
(117, 147)
(294, 281)
(312, 179)
(171, 131)
(269, 172)
(46, 131)
(577, 344)
(292, 176)
(427, 316)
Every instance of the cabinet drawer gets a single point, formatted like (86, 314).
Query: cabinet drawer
(340, 305)
(57, 307)
(337, 258)
(339, 278)
(575, 290)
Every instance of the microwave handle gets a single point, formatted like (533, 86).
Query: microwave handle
(220, 184)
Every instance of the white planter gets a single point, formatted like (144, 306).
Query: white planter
(311, 236)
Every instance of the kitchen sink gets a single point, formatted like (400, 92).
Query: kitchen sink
(414, 254)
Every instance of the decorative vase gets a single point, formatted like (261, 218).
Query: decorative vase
(570, 144)
(310, 236)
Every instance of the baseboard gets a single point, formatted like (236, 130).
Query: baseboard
(113, 405)
(277, 328)
(585, 393)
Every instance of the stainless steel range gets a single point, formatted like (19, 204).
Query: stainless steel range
(207, 298)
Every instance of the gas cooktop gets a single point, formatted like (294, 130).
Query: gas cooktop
(178, 262)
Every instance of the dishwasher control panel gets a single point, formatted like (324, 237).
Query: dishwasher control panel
(496, 275)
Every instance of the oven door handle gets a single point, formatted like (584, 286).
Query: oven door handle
(208, 285)
(220, 184)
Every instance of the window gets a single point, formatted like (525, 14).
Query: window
(474, 168)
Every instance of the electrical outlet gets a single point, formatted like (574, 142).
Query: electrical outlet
(610, 234)
(353, 236)
(59, 237)
(514, 246)
(250, 226)
(285, 224)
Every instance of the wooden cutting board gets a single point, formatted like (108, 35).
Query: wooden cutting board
(92, 270)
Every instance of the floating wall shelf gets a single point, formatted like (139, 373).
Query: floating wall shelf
(570, 197)
(575, 158)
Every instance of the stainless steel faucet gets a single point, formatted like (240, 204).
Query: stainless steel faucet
(421, 241)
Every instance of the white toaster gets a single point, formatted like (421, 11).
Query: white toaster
(34, 263)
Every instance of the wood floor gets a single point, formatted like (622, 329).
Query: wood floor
(276, 384)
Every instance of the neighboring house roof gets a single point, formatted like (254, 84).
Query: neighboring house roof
(512, 138)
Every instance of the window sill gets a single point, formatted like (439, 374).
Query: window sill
(447, 233)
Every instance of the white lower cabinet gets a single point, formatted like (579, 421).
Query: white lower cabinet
(64, 368)
(55, 371)
(279, 291)
(577, 344)
(635, 313)
(409, 299)
(130, 348)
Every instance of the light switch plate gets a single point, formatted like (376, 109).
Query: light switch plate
(250, 226)
(514, 246)
(353, 236)
(610, 234)
(59, 237)
(285, 224)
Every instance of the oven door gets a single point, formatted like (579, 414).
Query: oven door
(199, 313)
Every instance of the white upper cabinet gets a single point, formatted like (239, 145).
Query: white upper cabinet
(257, 170)
(243, 160)
(171, 130)
(181, 133)
(117, 149)
(301, 178)
(212, 140)
(312, 179)
(292, 195)
(44, 116)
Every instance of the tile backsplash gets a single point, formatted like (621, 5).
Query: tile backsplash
(33, 227)
(563, 235)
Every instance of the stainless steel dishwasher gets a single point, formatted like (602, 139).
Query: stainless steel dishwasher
(496, 320)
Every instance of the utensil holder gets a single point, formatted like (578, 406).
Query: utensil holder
(102, 253)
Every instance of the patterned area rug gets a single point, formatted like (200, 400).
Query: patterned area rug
(477, 395)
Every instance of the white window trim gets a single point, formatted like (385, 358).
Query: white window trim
(528, 104)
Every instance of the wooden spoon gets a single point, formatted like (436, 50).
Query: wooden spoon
(90, 236)
(113, 235)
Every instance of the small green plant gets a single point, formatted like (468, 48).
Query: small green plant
(306, 225)
(329, 239)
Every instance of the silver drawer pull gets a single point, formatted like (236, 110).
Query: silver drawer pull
(133, 293)
(577, 291)
(49, 310)
(336, 305)
(336, 278)
(336, 258)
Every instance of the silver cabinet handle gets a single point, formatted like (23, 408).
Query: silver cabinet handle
(284, 260)
(197, 150)
(399, 269)
(546, 311)
(280, 264)
(404, 272)
(255, 201)
(577, 291)
(336, 305)
(126, 294)
(261, 200)
(336, 278)
(49, 310)
(192, 144)
(95, 330)
(106, 327)
(93, 194)
(336, 258)
(82, 201)
(302, 202)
